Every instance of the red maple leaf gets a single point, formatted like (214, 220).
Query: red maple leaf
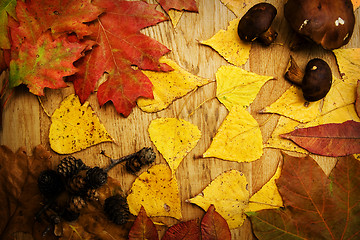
(121, 46)
(188, 5)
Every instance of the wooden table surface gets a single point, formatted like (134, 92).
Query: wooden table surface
(26, 124)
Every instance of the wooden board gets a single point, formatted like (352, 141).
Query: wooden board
(25, 122)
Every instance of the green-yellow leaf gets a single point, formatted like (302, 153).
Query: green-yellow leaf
(229, 46)
(236, 86)
(75, 127)
(238, 138)
(174, 138)
(169, 86)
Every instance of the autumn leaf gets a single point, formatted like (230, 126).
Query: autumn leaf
(331, 139)
(188, 230)
(356, 4)
(238, 7)
(229, 46)
(169, 86)
(188, 5)
(315, 206)
(236, 86)
(348, 61)
(228, 193)
(20, 196)
(143, 228)
(357, 101)
(214, 226)
(238, 138)
(121, 46)
(7, 8)
(292, 103)
(64, 16)
(174, 138)
(75, 127)
(157, 191)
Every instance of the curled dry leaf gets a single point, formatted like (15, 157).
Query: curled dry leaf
(315, 206)
(238, 138)
(229, 46)
(75, 127)
(157, 191)
(20, 197)
(174, 138)
(333, 139)
(169, 86)
(235, 86)
(214, 226)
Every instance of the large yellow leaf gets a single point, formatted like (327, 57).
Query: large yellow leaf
(174, 138)
(156, 190)
(236, 86)
(268, 197)
(228, 193)
(169, 86)
(292, 103)
(75, 127)
(229, 46)
(238, 138)
(349, 64)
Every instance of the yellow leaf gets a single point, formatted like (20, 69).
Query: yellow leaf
(174, 138)
(169, 86)
(156, 190)
(236, 86)
(238, 6)
(175, 16)
(292, 103)
(348, 61)
(229, 46)
(75, 127)
(283, 126)
(356, 4)
(238, 138)
(268, 197)
(228, 193)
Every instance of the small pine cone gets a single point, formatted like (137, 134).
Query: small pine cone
(70, 166)
(69, 215)
(77, 184)
(77, 203)
(146, 156)
(117, 209)
(50, 183)
(92, 195)
(96, 177)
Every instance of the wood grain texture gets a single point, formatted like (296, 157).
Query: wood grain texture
(26, 124)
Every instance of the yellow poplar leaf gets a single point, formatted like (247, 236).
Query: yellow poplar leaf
(229, 46)
(174, 138)
(235, 86)
(292, 103)
(348, 61)
(157, 191)
(268, 197)
(169, 86)
(175, 16)
(283, 126)
(238, 138)
(228, 193)
(75, 127)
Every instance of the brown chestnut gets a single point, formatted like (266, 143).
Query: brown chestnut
(315, 82)
(256, 24)
(329, 23)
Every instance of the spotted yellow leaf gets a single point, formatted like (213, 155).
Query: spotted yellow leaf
(236, 86)
(174, 138)
(293, 105)
(169, 86)
(348, 61)
(228, 193)
(356, 4)
(157, 191)
(229, 46)
(238, 138)
(268, 197)
(75, 127)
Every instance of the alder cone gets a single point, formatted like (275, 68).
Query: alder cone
(117, 209)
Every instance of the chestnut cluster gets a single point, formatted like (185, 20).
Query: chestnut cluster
(327, 23)
(69, 188)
